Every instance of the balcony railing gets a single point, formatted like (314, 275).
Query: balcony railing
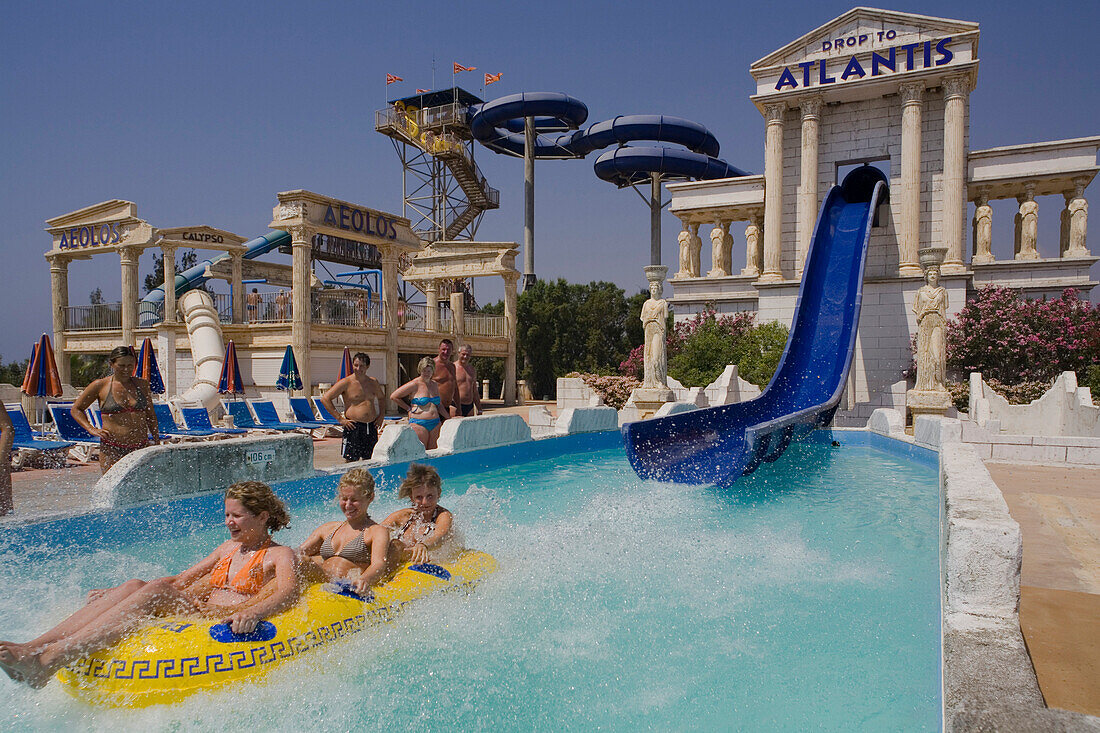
(98, 317)
(266, 307)
(343, 309)
(484, 324)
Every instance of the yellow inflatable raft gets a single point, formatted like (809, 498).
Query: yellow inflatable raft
(176, 656)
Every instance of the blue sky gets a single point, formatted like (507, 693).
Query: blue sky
(200, 112)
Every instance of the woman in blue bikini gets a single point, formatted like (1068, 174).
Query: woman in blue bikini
(420, 397)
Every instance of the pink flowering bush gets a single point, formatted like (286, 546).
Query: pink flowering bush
(615, 390)
(1012, 340)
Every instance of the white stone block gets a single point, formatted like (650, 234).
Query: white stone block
(586, 420)
(934, 432)
(1029, 453)
(887, 422)
(482, 431)
(1083, 456)
(674, 408)
(397, 444)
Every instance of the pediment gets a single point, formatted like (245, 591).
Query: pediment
(863, 30)
(105, 211)
(199, 236)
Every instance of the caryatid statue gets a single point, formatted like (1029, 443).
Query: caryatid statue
(930, 308)
(655, 324)
(695, 251)
(684, 240)
(721, 244)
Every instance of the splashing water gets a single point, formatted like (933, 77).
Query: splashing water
(807, 596)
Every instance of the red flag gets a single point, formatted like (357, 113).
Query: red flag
(493, 78)
(460, 67)
(390, 79)
(422, 91)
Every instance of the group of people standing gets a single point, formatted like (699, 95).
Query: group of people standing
(443, 389)
(250, 577)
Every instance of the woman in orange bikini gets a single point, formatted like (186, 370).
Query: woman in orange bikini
(248, 578)
(127, 407)
(357, 545)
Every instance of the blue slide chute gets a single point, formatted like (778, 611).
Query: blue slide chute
(195, 276)
(720, 444)
(499, 126)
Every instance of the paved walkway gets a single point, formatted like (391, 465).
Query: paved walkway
(1058, 509)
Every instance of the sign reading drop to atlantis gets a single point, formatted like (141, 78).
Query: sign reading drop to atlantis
(884, 61)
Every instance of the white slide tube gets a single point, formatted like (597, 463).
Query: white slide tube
(207, 351)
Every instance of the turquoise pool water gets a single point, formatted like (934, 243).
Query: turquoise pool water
(807, 597)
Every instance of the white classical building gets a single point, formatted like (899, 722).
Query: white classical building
(890, 89)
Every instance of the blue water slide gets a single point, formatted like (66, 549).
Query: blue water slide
(720, 444)
(499, 126)
(195, 276)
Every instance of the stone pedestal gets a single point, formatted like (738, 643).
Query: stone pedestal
(648, 401)
(927, 402)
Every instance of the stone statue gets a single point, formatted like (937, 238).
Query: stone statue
(720, 250)
(655, 322)
(695, 251)
(1029, 229)
(1078, 222)
(931, 309)
(752, 249)
(983, 232)
(685, 253)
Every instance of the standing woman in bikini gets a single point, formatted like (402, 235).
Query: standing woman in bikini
(127, 407)
(246, 579)
(421, 398)
(357, 544)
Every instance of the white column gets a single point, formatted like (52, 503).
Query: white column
(431, 318)
(956, 92)
(1078, 220)
(458, 314)
(300, 301)
(807, 190)
(59, 295)
(389, 298)
(510, 330)
(128, 257)
(983, 230)
(773, 192)
(1028, 224)
(168, 252)
(754, 253)
(912, 108)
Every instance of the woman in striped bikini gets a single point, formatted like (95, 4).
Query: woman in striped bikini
(248, 578)
(356, 546)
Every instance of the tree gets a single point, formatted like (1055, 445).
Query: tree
(155, 279)
(12, 372)
(96, 297)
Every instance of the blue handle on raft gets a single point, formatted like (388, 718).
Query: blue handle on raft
(430, 569)
(265, 631)
(343, 587)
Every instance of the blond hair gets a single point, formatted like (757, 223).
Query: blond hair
(256, 496)
(427, 361)
(360, 480)
(419, 475)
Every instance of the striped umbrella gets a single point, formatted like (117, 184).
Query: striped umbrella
(147, 367)
(289, 378)
(230, 381)
(42, 378)
(345, 365)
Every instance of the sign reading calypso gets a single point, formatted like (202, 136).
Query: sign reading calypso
(91, 235)
(906, 57)
(203, 237)
(352, 219)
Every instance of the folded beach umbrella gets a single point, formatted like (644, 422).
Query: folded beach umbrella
(42, 378)
(147, 367)
(230, 381)
(289, 378)
(345, 364)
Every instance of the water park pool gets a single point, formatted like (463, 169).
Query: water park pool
(806, 596)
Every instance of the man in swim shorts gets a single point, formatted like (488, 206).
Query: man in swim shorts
(469, 398)
(252, 305)
(363, 405)
(445, 377)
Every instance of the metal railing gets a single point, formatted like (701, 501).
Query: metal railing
(268, 307)
(484, 324)
(98, 317)
(346, 309)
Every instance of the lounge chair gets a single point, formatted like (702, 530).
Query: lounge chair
(323, 411)
(197, 418)
(168, 428)
(304, 413)
(267, 416)
(69, 429)
(25, 443)
(242, 417)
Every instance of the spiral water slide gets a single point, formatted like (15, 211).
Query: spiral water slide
(721, 444)
(201, 317)
(499, 126)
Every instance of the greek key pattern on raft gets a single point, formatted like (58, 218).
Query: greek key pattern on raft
(252, 657)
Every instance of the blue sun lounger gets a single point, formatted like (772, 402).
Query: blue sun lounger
(304, 413)
(197, 418)
(24, 436)
(242, 417)
(269, 418)
(323, 411)
(166, 423)
(69, 429)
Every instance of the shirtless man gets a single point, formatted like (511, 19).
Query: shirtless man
(445, 378)
(252, 305)
(469, 399)
(363, 400)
